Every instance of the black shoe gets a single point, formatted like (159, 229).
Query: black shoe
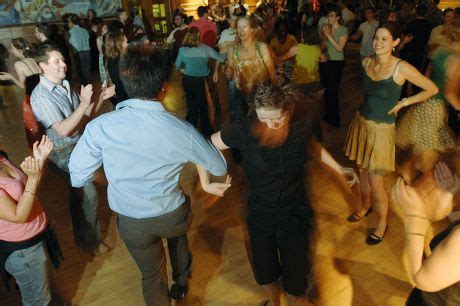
(373, 239)
(178, 292)
(354, 217)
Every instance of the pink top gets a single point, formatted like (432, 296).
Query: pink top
(14, 187)
(208, 31)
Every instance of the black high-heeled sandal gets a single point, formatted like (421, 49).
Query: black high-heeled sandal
(354, 217)
(373, 239)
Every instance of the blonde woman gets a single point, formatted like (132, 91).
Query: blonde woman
(193, 61)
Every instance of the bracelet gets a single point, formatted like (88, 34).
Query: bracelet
(418, 217)
(32, 194)
(404, 102)
(415, 234)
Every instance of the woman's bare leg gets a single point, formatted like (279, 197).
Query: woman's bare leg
(380, 202)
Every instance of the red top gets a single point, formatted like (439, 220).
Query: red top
(208, 31)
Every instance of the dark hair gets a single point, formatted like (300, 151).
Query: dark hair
(447, 10)
(334, 8)
(370, 8)
(93, 11)
(44, 29)
(115, 26)
(310, 35)
(43, 51)
(143, 70)
(202, 10)
(4, 54)
(421, 10)
(74, 19)
(394, 29)
(23, 45)
(281, 21)
(120, 10)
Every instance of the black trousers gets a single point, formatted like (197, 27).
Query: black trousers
(332, 77)
(83, 61)
(197, 105)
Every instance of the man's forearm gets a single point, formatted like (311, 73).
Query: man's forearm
(68, 126)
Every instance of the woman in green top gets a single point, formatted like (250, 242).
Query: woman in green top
(371, 136)
(336, 36)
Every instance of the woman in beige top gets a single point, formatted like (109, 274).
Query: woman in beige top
(249, 64)
(25, 66)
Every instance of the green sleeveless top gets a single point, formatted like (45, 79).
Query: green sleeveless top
(379, 98)
(438, 72)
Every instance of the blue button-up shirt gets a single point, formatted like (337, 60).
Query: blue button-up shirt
(79, 38)
(143, 149)
(52, 103)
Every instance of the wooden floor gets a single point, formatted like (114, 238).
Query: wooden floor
(346, 270)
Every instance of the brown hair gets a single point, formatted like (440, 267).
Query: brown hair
(191, 38)
(113, 44)
(23, 45)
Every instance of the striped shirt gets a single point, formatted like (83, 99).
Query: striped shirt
(53, 103)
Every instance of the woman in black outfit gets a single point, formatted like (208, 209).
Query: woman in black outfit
(114, 44)
(273, 141)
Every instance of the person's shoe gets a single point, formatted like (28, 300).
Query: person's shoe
(178, 292)
(354, 217)
(373, 239)
(102, 249)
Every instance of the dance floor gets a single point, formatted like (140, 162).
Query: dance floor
(346, 271)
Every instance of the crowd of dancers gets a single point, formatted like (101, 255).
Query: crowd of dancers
(282, 69)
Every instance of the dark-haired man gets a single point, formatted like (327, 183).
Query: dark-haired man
(62, 112)
(79, 40)
(366, 30)
(143, 149)
(44, 34)
(208, 29)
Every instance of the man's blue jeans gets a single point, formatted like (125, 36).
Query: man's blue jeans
(82, 205)
(29, 268)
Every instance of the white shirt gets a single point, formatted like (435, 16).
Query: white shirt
(368, 31)
(347, 15)
(227, 35)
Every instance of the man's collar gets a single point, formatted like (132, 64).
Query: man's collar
(50, 85)
(143, 104)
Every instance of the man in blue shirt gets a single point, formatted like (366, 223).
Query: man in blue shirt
(143, 149)
(79, 40)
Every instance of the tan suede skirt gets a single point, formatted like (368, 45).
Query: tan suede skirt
(371, 145)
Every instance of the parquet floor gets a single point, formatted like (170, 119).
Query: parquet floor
(347, 271)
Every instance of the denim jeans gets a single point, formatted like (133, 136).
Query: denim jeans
(237, 103)
(29, 268)
(82, 205)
